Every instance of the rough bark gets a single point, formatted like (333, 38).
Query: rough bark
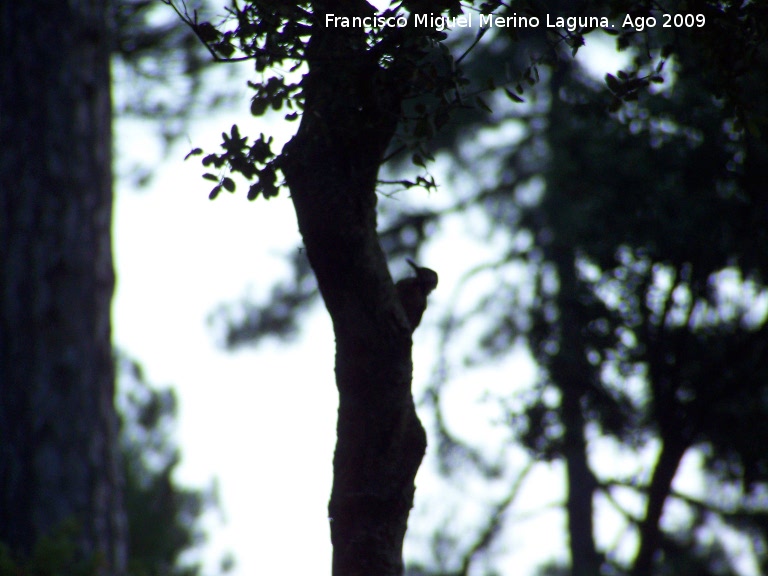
(331, 165)
(58, 450)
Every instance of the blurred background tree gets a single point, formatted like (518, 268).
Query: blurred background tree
(60, 463)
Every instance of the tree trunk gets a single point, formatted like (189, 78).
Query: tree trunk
(570, 372)
(331, 166)
(58, 449)
(650, 533)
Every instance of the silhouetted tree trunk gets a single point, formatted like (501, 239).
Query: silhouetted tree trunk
(570, 373)
(58, 450)
(331, 167)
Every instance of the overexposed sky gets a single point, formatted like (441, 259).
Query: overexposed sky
(261, 423)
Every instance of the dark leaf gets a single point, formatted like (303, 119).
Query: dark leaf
(512, 96)
(481, 103)
(613, 84)
(194, 152)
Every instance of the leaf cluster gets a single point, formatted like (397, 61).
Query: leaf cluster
(163, 516)
(253, 161)
(412, 62)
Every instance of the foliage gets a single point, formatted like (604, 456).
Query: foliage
(163, 517)
(274, 36)
(440, 104)
(410, 60)
(54, 555)
(647, 316)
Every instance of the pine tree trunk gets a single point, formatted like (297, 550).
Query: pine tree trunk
(58, 451)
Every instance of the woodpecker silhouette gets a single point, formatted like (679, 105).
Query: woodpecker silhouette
(413, 292)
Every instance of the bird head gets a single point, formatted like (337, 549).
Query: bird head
(426, 277)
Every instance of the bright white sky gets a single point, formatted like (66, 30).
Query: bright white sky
(262, 422)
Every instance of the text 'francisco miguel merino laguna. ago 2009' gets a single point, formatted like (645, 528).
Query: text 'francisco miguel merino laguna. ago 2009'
(571, 23)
